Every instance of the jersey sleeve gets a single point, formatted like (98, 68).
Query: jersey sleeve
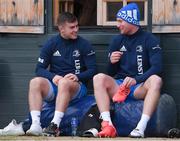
(155, 59)
(89, 59)
(44, 61)
(113, 46)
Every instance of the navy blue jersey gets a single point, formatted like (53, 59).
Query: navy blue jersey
(142, 56)
(60, 57)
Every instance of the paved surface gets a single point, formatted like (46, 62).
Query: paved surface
(30, 138)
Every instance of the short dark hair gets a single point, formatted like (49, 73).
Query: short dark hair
(66, 17)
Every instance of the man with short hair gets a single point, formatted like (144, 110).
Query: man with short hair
(135, 65)
(65, 64)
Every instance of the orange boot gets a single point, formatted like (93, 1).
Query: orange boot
(107, 130)
(121, 94)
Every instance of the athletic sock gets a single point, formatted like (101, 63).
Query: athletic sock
(35, 115)
(105, 116)
(57, 118)
(143, 123)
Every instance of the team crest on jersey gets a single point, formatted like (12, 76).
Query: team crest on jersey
(76, 53)
(139, 48)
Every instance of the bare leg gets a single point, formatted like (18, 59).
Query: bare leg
(38, 89)
(150, 92)
(66, 90)
(104, 88)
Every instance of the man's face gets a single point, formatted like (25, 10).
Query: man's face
(69, 30)
(124, 27)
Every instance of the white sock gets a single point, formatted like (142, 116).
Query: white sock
(106, 117)
(57, 118)
(143, 122)
(35, 115)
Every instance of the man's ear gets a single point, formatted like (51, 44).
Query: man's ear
(60, 27)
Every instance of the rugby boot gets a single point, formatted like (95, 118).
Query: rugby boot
(35, 130)
(51, 130)
(121, 94)
(107, 130)
(136, 133)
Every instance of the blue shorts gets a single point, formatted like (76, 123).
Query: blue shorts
(53, 92)
(132, 88)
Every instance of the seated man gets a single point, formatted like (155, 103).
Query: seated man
(66, 63)
(135, 62)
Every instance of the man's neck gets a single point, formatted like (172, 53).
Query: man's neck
(134, 30)
(64, 37)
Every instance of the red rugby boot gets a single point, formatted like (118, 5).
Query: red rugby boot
(121, 94)
(107, 130)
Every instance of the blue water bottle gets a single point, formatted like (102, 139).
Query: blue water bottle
(74, 125)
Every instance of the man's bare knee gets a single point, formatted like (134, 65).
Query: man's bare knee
(156, 79)
(37, 81)
(64, 83)
(67, 85)
(99, 78)
(38, 84)
(155, 82)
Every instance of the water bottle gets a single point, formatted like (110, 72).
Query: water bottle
(74, 125)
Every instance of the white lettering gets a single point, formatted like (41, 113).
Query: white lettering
(127, 18)
(139, 64)
(77, 66)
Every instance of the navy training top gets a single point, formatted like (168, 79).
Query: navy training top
(142, 56)
(60, 56)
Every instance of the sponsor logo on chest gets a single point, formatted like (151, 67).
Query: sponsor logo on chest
(139, 50)
(77, 63)
(140, 64)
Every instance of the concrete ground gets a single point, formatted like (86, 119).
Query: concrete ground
(30, 138)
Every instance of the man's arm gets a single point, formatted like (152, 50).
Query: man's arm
(44, 61)
(155, 59)
(114, 56)
(90, 63)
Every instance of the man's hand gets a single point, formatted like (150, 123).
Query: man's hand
(56, 79)
(115, 56)
(71, 76)
(129, 81)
